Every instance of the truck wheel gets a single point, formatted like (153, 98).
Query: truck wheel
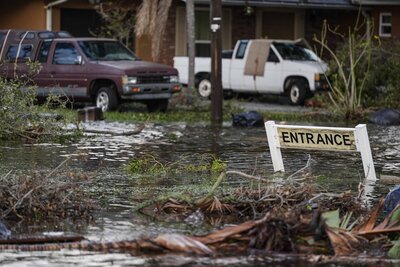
(157, 105)
(106, 99)
(204, 87)
(297, 92)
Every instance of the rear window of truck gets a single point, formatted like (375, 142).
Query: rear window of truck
(2, 36)
(19, 51)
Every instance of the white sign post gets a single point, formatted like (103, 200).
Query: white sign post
(319, 138)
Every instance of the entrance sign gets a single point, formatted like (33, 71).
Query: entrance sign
(319, 138)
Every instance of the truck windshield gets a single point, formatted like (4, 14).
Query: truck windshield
(290, 51)
(106, 51)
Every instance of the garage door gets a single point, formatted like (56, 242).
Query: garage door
(80, 22)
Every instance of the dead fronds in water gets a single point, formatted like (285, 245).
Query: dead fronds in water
(325, 235)
(37, 196)
(254, 202)
(214, 205)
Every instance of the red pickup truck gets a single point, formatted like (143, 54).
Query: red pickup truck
(98, 70)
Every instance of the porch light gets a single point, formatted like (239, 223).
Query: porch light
(248, 10)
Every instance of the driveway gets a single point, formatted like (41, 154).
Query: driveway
(272, 104)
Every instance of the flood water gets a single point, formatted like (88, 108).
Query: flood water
(103, 157)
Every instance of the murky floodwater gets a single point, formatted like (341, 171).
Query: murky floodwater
(103, 157)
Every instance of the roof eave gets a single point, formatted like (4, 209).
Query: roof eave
(376, 2)
(291, 4)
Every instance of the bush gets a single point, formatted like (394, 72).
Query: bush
(349, 67)
(19, 114)
(383, 83)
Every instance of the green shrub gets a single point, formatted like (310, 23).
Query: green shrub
(383, 83)
(349, 67)
(19, 114)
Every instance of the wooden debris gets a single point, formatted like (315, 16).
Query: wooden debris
(138, 130)
(181, 243)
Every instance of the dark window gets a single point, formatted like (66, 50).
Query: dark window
(290, 51)
(106, 50)
(46, 35)
(202, 33)
(27, 35)
(385, 24)
(272, 57)
(2, 37)
(203, 50)
(44, 51)
(227, 54)
(64, 34)
(80, 22)
(23, 51)
(65, 54)
(241, 50)
(52, 35)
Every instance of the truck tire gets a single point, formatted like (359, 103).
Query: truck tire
(297, 92)
(204, 87)
(106, 99)
(157, 105)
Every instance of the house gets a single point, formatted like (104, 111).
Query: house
(241, 19)
(285, 19)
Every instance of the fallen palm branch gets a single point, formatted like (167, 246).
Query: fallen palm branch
(276, 235)
(370, 228)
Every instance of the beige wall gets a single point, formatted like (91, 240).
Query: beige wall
(31, 14)
(22, 14)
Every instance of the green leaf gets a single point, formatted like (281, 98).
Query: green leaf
(394, 252)
(395, 217)
(332, 218)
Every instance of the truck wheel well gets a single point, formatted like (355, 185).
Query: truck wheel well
(290, 79)
(199, 76)
(97, 84)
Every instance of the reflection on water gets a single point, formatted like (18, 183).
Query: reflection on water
(103, 156)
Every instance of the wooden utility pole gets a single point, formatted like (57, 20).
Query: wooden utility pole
(216, 62)
(190, 20)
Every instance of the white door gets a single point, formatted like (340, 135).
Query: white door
(238, 81)
(271, 82)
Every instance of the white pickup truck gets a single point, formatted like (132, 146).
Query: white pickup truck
(262, 66)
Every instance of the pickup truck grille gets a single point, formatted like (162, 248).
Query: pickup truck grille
(153, 79)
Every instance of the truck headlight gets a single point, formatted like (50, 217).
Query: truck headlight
(174, 79)
(129, 79)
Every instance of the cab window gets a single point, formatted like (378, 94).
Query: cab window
(44, 51)
(65, 54)
(272, 57)
(241, 50)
